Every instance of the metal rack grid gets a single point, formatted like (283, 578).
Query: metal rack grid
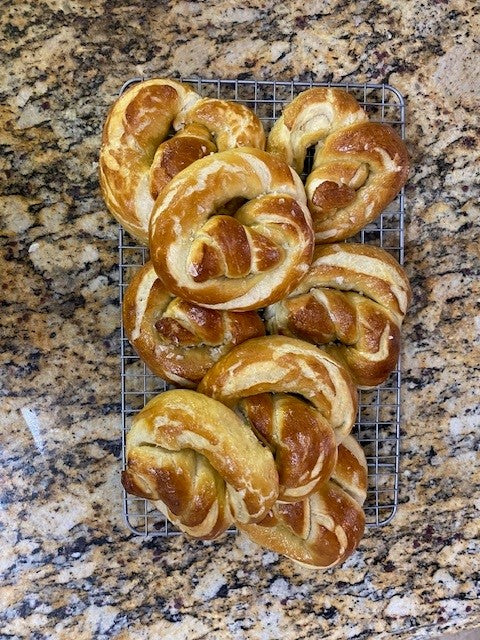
(378, 422)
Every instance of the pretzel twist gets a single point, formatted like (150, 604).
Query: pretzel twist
(178, 340)
(137, 157)
(241, 261)
(358, 168)
(322, 530)
(199, 464)
(297, 399)
(353, 300)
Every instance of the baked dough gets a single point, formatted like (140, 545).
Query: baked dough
(178, 340)
(312, 116)
(241, 261)
(199, 464)
(325, 528)
(352, 300)
(137, 156)
(358, 168)
(296, 398)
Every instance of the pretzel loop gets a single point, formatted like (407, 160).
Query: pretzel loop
(322, 530)
(198, 463)
(234, 262)
(358, 167)
(138, 157)
(352, 300)
(297, 400)
(179, 340)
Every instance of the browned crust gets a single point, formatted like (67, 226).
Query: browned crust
(296, 398)
(136, 126)
(356, 315)
(295, 530)
(375, 146)
(193, 456)
(179, 341)
(216, 265)
(333, 121)
(325, 528)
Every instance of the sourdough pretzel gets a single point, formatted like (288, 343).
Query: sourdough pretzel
(296, 398)
(353, 299)
(241, 261)
(325, 528)
(199, 464)
(358, 168)
(180, 341)
(137, 159)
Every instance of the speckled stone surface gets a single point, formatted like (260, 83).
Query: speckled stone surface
(69, 566)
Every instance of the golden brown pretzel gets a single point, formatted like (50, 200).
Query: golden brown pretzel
(295, 397)
(353, 299)
(137, 159)
(359, 166)
(178, 340)
(312, 116)
(241, 261)
(325, 528)
(356, 173)
(196, 460)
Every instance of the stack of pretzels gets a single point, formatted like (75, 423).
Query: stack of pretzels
(251, 307)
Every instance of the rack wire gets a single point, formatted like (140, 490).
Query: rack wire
(377, 426)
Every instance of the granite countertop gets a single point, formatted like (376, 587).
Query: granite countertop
(69, 566)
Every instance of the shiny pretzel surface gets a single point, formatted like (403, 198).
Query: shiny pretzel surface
(238, 261)
(138, 156)
(199, 464)
(352, 300)
(358, 168)
(178, 340)
(322, 530)
(297, 399)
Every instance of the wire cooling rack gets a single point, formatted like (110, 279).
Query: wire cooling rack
(378, 422)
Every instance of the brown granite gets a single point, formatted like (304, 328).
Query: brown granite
(69, 566)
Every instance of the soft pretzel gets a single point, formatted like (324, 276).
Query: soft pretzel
(199, 464)
(296, 398)
(137, 159)
(353, 299)
(178, 340)
(358, 168)
(325, 528)
(241, 261)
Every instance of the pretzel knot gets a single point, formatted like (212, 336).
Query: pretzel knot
(138, 158)
(241, 261)
(297, 399)
(358, 167)
(353, 300)
(179, 340)
(194, 458)
(324, 529)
